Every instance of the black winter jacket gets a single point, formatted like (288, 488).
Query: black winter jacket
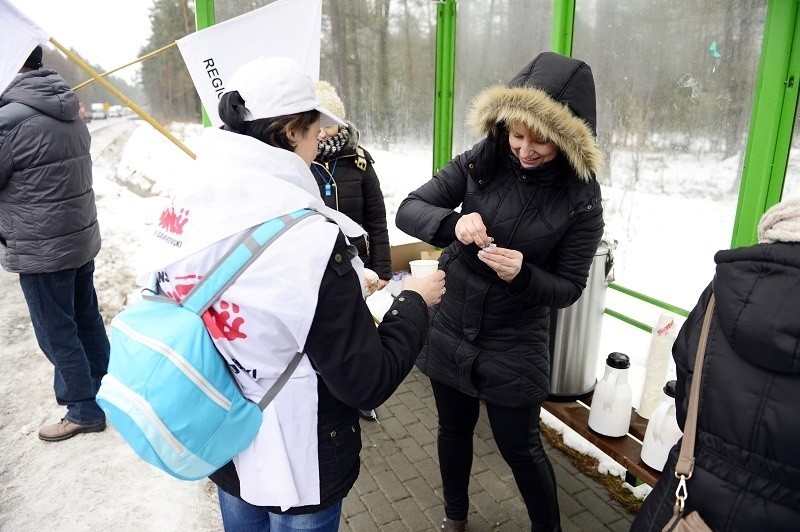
(48, 217)
(747, 454)
(341, 336)
(489, 338)
(356, 191)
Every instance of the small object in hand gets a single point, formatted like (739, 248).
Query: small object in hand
(489, 245)
(370, 282)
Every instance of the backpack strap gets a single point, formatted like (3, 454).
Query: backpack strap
(278, 384)
(231, 265)
(228, 268)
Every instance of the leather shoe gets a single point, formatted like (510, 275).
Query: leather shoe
(452, 525)
(66, 429)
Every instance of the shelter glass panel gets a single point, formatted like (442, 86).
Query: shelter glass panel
(675, 84)
(380, 57)
(494, 40)
(791, 186)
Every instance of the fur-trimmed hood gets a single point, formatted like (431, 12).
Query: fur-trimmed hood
(553, 95)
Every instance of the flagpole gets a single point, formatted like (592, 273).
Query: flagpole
(124, 99)
(146, 56)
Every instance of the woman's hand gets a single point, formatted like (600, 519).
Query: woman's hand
(430, 287)
(470, 230)
(382, 284)
(506, 262)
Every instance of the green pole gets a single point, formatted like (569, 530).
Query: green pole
(204, 16)
(562, 27)
(771, 120)
(444, 83)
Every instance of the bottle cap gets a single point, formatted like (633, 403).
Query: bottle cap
(618, 360)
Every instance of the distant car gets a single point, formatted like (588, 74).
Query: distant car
(99, 111)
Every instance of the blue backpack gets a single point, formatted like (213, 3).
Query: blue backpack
(168, 391)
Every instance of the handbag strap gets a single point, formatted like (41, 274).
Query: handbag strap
(685, 465)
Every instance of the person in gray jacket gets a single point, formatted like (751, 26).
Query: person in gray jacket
(49, 235)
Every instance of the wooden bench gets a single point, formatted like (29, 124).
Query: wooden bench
(625, 450)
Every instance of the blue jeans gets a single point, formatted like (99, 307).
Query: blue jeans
(241, 516)
(71, 333)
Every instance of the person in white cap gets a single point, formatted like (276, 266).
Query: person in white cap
(304, 293)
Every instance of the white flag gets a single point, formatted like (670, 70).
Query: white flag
(287, 28)
(18, 37)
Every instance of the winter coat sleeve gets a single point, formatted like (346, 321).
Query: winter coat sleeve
(375, 224)
(428, 212)
(360, 364)
(562, 281)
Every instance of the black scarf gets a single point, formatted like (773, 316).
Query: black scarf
(328, 149)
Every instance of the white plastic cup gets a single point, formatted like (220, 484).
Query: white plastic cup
(423, 267)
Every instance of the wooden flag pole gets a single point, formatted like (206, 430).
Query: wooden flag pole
(137, 60)
(124, 99)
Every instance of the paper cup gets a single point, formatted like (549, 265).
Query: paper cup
(423, 267)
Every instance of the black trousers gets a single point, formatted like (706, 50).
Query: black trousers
(516, 431)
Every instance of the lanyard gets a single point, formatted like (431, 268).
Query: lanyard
(328, 180)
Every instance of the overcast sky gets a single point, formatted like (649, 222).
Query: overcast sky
(109, 33)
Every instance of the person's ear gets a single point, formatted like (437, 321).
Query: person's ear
(293, 135)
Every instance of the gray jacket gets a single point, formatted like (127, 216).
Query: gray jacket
(48, 217)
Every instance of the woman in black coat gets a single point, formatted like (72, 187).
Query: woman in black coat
(747, 451)
(348, 183)
(529, 224)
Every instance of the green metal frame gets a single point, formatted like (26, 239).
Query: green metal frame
(204, 16)
(445, 76)
(771, 120)
(562, 27)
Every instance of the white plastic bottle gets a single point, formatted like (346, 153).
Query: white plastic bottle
(610, 414)
(662, 430)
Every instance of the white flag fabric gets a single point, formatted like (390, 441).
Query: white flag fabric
(19, 35)
(287, 28)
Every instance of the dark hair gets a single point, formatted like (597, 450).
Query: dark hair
(34, 60)
(272, 131)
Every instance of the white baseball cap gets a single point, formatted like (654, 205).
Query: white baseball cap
(278, 86)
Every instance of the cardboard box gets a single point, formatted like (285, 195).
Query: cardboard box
(404, 253)
(431, 254)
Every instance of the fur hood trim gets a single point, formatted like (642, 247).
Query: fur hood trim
(539, 112)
